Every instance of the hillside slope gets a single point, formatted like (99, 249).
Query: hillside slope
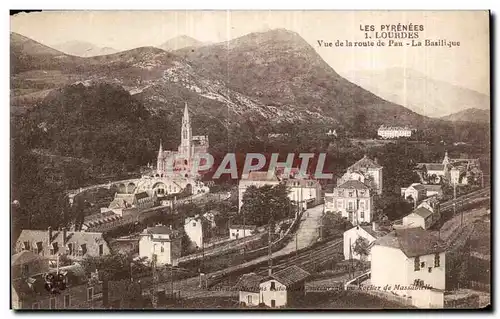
(469, 115)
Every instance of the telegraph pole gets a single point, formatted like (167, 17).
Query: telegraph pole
(270, 252)
(154, 297)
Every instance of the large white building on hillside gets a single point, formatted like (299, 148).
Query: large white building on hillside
(388, 132)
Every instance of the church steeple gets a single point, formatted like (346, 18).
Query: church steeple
(160, 151)
(185, 117)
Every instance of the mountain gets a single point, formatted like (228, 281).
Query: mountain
(264, 77)
(283, 72)
(179, 42)
(418, 92)
(83, 49)
(469, 115)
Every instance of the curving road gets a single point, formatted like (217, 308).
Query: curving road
(307, 234)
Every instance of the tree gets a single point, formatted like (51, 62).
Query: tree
(361, 247)
(113, 267)
(334, 224)
(264, 203)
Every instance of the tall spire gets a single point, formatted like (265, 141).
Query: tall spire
(186, 112)
(160, 151)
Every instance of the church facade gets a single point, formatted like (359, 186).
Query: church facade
(181, 162)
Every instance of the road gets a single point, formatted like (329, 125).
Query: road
(307, 234)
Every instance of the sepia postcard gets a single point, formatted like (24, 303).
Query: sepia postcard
(250, 160)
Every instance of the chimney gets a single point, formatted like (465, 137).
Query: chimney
(50, 234)
(375, 160)
(374, 226)
(65, 235)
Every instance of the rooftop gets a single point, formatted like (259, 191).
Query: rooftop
(252, 227)
(261, 176)
(422, 211)
(289, 276)
(42, 236)
(412, 242)
(159, 230)
(365, 162)
(24, 257)
(375, 233)
(249, 282)
(353, 184)
(418, 187)
(431, 166)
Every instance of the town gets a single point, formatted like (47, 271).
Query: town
(279, 237)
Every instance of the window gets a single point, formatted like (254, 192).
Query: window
(26, 245)
(437, 261)
(25, 270)
(249, 299)
(52, 303)
(362, 214)
(67, 301)
(90, 294)
(162, 249)
(362, 204)
(84, 249)
(194, 224)
(39, 247)
(54, 249)
(417, 264)
(351, 194)
(422, 264)
(350, 205)
(273, 285)
(430, 269)
(101, 250)
(36, 305)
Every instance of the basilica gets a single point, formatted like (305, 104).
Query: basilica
(181, 162)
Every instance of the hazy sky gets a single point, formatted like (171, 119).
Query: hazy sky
(467, 65)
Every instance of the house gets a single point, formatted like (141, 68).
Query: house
(240, 231)
(76, 293)
(210, 217)
(248, 287)
(50, 243)
(432, 173)
(197, 229)
(283, 288)
(162, 241)
(433, 190)
(369, 233)
(124, 201)
(301, 190)
(422, 216)
(366, 171)
(415, 191)
(99, 219)
(332, 132)
(389, 132)
(353, 199)
(412, 263)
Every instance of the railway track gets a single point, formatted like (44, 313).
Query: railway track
(464, 199)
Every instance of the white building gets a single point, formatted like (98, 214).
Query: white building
(249, 291)
(161, 241)
(196, 228)
(388, 132)
(300, 190)
(366, 171)
(283, 288)
(369, 233)
(411, 262)
(424, 216)
(415, 191)
(353, 199)
(240, 231)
